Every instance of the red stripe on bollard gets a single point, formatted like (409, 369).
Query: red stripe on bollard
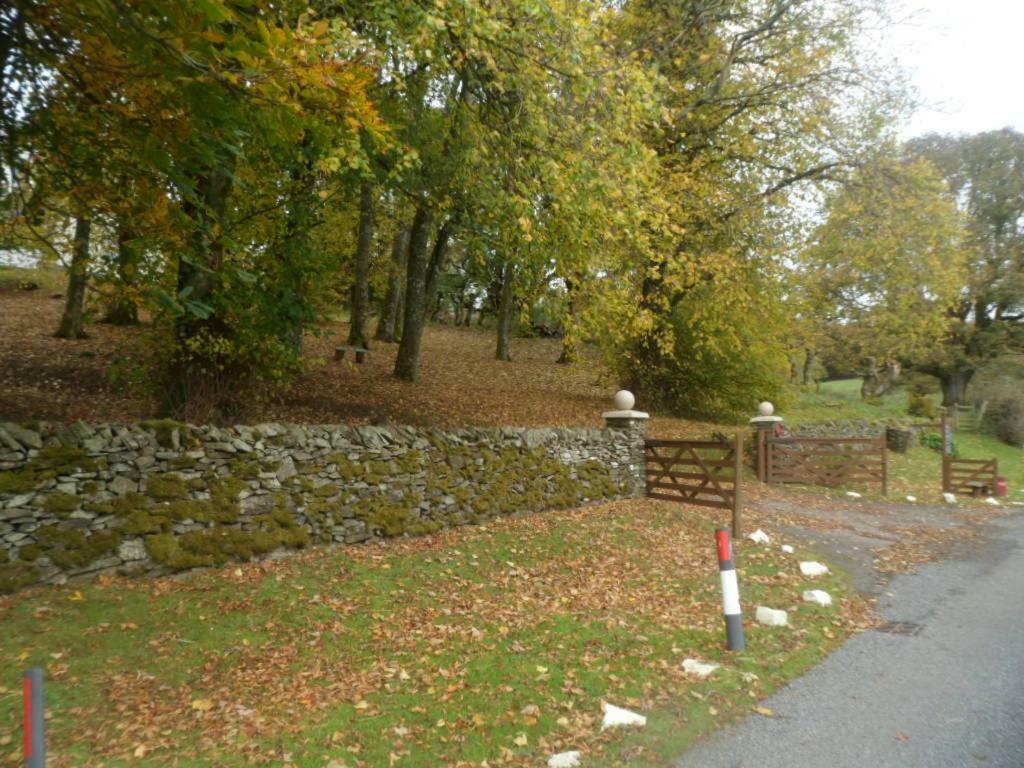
(724, 545)
(27, 681)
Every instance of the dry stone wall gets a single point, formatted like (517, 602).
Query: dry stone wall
(160, 496)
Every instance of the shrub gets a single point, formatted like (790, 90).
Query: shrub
(919, 404)
(1006, 416)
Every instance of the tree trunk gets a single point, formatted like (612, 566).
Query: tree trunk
(357, 334)
(570, 350)
(200, 275)
(878, 381)
(74, 306)
(437, 259)
(508, 276)
(387, 325)
(408, 361)
(809, 362)
(954, 386)
(122, 309)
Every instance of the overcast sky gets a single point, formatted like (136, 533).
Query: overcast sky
(966, 59)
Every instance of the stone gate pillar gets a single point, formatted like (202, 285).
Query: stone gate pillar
(631, 427)
(765, 424)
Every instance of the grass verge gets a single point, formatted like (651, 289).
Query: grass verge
(490, 645)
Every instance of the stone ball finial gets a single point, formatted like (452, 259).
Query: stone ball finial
(624, 400)
(765, 409)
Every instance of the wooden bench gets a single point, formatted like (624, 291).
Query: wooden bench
(360, 352)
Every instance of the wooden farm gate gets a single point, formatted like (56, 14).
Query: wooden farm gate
(829, 461)
(703, 472)
(970, 477)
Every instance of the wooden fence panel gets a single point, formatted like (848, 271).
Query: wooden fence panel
(969, 477)
(826, 461)
(707, 473)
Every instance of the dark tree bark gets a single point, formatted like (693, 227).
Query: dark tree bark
(505, 306)
(877, 381)
(570, 352)
(71, 324)
(408, 361)
(437, 260)
(195, 385)
(358, 336)
(954, 386)
(122, 309)
(809, 361)
(201, 275)
(391, 310)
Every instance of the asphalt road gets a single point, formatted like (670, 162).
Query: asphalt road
(947, 693)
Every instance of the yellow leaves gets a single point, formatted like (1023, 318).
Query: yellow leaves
(77, 597)
(766, 711)
(521, 740)
(202, 705)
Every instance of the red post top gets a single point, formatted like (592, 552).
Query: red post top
(27, 681)
(724, 545)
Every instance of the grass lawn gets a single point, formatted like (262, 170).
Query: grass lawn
(489, 645)
(837, 400)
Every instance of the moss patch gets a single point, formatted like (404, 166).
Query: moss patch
(61, 504)
(47, 464)
(166, 487)
(71, 548)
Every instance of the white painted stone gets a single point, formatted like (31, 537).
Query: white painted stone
(853, 494)
(765, 408)
(759, 537)
(813, 568)
(949, 498)
(771, 617)
(698, 668)
(565, 760)
(911, 499)
(817, 596)
(787, 549)
(624, 400)
(992, 501)
(617, 717)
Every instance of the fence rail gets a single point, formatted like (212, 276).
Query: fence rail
(970, 477)
(825, 461)
(707, 473)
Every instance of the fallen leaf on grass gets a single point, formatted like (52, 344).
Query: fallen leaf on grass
(766, 711)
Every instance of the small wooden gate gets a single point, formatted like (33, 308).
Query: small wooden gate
(707, 473)
(970, 477)
(825, 461)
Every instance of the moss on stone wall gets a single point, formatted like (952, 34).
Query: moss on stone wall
(47, 464)
(166, 487)
(190, 512)
(71, 548)
(61, 504)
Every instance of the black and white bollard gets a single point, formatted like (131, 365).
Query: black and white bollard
(35, 723)
(730, 592)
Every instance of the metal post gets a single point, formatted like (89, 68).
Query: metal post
(35, 722)
(730, 592)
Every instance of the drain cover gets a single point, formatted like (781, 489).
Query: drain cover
(901, 628)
